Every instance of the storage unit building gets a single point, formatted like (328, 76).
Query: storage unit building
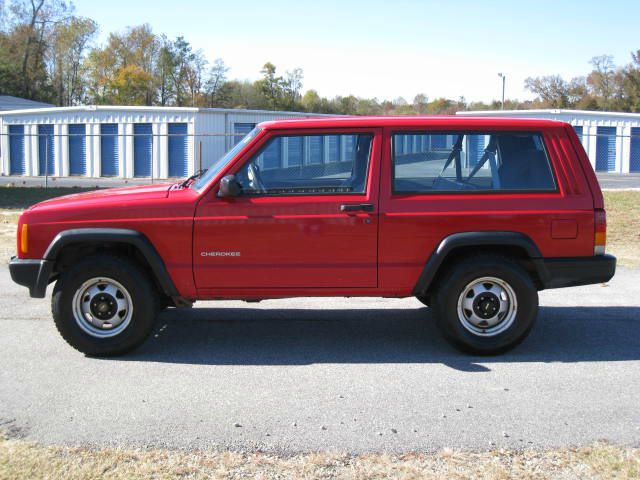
(611, 139)
(124, 142)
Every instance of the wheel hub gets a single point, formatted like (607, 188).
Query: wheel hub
(487, 306)
(102, 307)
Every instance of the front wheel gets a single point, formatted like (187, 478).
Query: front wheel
(104, 305)
(486, 305)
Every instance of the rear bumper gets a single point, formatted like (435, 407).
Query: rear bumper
(33, 274)
(573, 271)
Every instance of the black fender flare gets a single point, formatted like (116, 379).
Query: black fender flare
(476, 239)
(115, 235)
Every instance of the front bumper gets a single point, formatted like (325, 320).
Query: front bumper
(574, 271)
(33, 274)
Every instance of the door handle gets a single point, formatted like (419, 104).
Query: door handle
(359, 207)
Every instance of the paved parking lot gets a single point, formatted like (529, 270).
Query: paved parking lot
(306, 374)
(616, 181)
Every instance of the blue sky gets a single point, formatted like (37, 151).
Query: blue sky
(387, 49)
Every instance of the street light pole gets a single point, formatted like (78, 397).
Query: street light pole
(504, 78)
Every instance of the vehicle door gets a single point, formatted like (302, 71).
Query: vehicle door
(306, 215)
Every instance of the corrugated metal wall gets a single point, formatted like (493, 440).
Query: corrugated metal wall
(75, 152)
(216, 132)
(151, 141)
(210, 133)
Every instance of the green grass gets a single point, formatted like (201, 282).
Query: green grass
(20, 198)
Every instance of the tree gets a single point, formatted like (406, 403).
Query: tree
(420, 102)
(552, 90)
(631, 80)
(368, 106)
(347, 105)
(270, 86)
(131, 85)
(181, 51)
(311, 101)
(194, 76)
(603, 80)
(108, 67)
(292, 85)
(441, 105)
(69, 51)
(101, 67)
(10, 78)
(31, 26)
(164, 71)
(216, 79)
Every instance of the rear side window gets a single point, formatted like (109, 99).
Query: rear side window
(308, 165)
(471, 161)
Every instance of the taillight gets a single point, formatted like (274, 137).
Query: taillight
(600, 241)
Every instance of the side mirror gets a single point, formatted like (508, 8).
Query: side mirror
(229, 187)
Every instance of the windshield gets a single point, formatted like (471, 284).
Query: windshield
(215, 168)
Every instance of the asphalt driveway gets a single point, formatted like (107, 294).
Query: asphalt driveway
(308, 374)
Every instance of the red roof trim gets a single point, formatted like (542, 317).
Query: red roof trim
(412, 121)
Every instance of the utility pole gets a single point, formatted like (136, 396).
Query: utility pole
(504, 78)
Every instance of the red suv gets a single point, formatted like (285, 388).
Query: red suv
(471, 216)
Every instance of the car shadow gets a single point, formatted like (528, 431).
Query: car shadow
(250, 336)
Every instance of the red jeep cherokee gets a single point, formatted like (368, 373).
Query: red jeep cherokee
(472, 216)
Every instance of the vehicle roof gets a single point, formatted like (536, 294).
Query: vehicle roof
(440, 121)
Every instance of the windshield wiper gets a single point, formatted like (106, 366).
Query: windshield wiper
(193, 177)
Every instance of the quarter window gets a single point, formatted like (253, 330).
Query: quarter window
(451, 162)
(308, 165)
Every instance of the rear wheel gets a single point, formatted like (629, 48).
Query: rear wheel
(104, 305)
(486, 305)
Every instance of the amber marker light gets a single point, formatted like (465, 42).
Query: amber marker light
(24, 238)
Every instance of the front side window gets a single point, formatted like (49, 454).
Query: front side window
(478, 161)
(308, 165)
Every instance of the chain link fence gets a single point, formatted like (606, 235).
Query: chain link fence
(114, 156)
(143, 156)
(610, 151)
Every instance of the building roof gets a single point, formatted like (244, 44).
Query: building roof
(437, 121)
(127, 108)
(8, 103)
(546, 111)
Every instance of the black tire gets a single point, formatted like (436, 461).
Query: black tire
(455, 283)
(143, 294)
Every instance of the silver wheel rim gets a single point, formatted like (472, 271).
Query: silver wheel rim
(487, 306)
(102, 307)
